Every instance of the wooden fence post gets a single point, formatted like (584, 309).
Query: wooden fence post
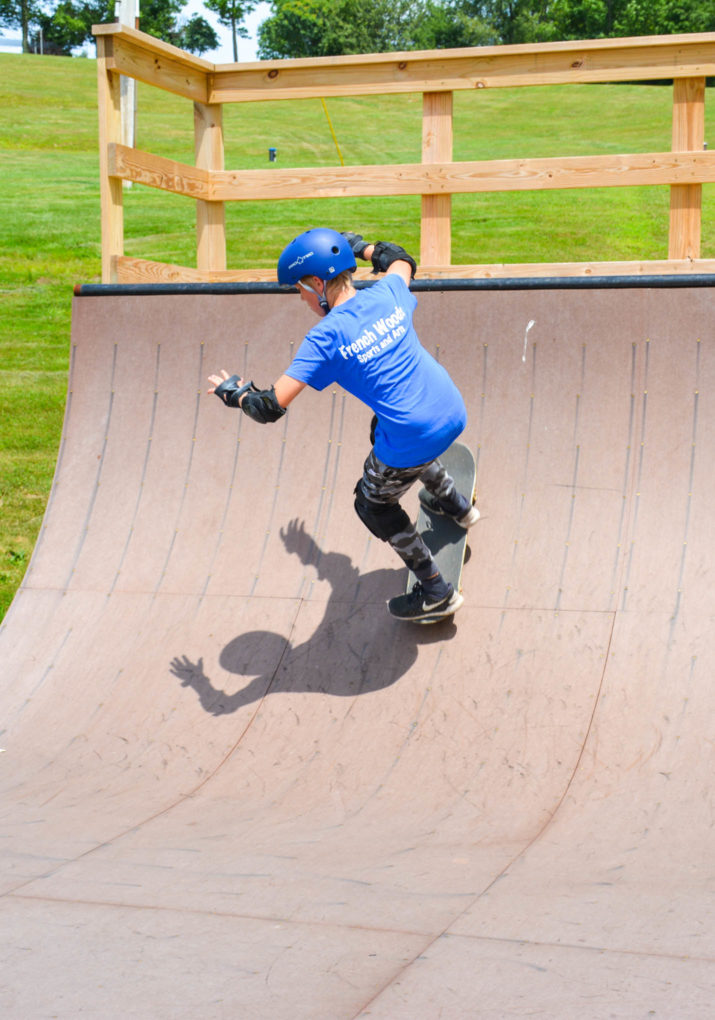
(210, 216)
(436, 232)
(110, 188)
(686, 199)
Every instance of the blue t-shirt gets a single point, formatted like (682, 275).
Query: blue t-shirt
(369, 346)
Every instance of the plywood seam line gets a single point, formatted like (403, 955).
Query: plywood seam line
(142, 480)
(527, 847)
(187, 477)
(230, 492)
(328, 925)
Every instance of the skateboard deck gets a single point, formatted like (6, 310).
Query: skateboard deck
(443, 536)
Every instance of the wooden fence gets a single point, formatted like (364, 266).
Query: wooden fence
(437, 74)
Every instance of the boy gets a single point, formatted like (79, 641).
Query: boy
(366, 342)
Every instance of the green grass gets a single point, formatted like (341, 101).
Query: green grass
(50, 227)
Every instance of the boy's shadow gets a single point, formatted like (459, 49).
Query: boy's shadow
(357, 647)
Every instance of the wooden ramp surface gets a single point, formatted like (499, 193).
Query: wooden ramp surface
(232, 786)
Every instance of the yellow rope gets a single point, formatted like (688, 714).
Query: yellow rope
(332, 132)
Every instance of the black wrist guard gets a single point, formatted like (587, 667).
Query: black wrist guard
(385, 253)
(261, 405)
(229, 391)
(356, 243)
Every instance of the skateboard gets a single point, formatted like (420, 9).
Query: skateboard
(443, 536)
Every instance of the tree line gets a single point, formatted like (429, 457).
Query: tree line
(322, 28)
(302, 28)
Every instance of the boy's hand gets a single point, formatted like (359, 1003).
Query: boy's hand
(384, 255)
(229, 388)
(357, 244)
(217, 380)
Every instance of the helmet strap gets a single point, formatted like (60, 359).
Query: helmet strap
(322, 299)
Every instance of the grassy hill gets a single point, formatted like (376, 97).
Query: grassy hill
(50, 229)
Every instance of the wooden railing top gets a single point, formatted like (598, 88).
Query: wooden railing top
(598, 60)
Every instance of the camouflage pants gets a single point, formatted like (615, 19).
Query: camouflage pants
(386, 485)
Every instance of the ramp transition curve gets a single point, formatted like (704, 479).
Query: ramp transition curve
(233, 787)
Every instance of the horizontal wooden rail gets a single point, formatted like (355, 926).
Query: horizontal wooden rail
(133, 270)
(601, 60)
(597, 60)
(467, 177)
(158, 172)
(413, 178)
(141, 56)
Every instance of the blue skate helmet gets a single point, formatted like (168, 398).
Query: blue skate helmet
(319, 252)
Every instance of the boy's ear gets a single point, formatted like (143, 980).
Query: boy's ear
(315, 282)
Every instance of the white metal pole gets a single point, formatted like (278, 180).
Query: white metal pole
(127, 13)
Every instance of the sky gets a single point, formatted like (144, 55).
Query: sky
(246, 47)
(222, 55)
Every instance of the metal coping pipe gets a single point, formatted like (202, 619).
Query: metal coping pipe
(418, 286)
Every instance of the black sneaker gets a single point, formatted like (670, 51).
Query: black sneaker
(465, 520)
(417, 607)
